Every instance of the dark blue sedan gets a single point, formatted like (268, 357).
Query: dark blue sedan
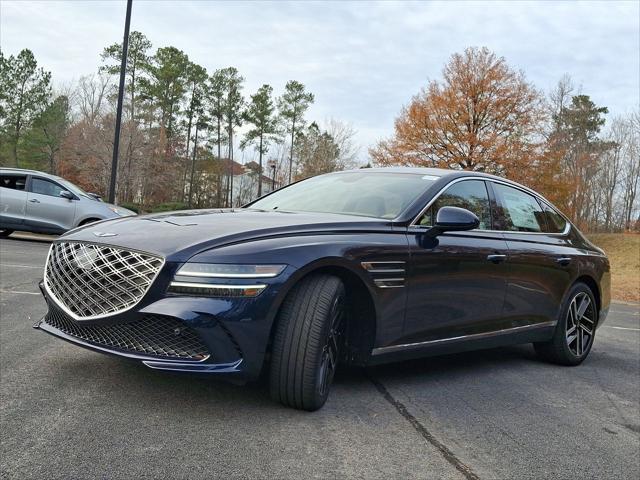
(358, 267)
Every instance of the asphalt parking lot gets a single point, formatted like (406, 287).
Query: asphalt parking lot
(70, 413)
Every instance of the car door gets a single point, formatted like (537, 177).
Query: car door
(13, 199)
(540, 256)
(457, 281)
(46, 209)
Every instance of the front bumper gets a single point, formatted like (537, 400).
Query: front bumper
(234, 340)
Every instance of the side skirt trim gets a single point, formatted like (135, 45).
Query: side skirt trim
(462, 338)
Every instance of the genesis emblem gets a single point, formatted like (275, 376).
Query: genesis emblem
(105, 234)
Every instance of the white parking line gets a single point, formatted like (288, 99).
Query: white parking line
(623, 328)
(20, 266)
(19, 292)
(635, 314)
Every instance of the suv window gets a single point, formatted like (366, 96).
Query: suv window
(519, 211)
(45, 187)
(469, 194)
(556, 223)
(14, 182)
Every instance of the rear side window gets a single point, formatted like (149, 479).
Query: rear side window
(556, 223)
(519, 211)
(14, 182)
(45, 187)
(469, 194)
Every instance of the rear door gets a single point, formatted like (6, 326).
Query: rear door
(46, 209)
(13, 199)
(540, 256)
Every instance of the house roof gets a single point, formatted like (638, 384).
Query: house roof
(240, 169)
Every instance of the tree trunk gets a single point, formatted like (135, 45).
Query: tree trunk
(231, 165)
(260, 169)
(293, 131)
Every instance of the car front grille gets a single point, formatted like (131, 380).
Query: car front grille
(92, 281)
(152, 335)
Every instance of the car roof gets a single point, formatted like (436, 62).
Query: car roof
(27, 171)
(442, 173)
(439, 172)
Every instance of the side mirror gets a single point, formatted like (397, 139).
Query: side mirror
(454, 219)
(67, 194)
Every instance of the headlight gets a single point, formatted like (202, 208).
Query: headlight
(195, 279)
(123, 212)
(223, 270)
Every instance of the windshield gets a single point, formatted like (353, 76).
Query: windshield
(367, 194)
(74, 188)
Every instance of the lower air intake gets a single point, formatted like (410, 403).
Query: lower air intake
(152, 335)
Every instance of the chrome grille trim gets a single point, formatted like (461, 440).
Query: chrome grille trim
(90, 281)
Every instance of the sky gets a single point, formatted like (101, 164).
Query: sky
(362, 60)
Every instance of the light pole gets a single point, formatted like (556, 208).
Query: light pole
(116, 140)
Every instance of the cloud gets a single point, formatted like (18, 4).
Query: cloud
(362, 60)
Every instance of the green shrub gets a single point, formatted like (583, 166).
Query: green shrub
(169, 207)
(134, 207)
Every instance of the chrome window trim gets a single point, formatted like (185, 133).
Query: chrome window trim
(474, 336)
(66, 310)
(523, 189)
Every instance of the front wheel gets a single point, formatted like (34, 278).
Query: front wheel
(573, 337)
(307, 343)
(5, 232)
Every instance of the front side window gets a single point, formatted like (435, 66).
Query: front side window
(518, 211)
(469, 194)
(45, 187)
(14, 182)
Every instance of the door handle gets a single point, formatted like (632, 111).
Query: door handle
(34, 200)
(564, 261)
(496, 257)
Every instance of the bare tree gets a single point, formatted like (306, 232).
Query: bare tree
(631, 166)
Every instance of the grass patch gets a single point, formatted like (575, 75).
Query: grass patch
(623, 250)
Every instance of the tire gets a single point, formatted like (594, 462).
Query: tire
(5, 232)
(574, 333)
(88, 221)
(308, 342)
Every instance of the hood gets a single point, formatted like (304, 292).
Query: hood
(179, 235)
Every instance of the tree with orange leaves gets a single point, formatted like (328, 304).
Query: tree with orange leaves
(482, 116)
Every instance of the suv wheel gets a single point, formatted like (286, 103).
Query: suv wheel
(308, 341)
(4, 232)
(573, 337)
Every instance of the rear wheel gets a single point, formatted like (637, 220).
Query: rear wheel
(5, 232)
(308, 342)
(573, 337)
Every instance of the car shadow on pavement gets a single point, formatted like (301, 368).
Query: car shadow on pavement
(134, 383)
(473, 362)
